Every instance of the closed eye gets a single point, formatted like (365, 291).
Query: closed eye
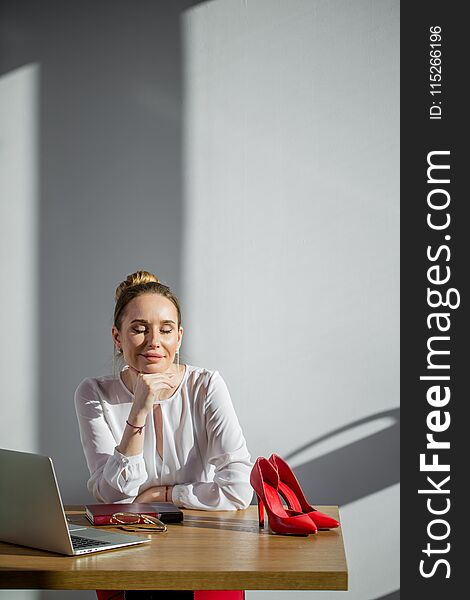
(145, 330)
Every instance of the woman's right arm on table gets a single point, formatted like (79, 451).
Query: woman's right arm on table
(114, 477)
(116, 472)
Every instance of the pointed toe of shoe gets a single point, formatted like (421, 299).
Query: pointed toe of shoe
(294, 524)
(323, 521)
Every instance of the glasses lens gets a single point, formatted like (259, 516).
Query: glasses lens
(137, 521)
(126, 518)
(144, 528)
(151, 520)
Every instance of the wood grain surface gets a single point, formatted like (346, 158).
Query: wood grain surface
(209, 550)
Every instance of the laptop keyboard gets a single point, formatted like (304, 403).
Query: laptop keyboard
(79, 543)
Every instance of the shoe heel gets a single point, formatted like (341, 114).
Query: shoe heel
(264, 480)
(290, 490)
(260, 511)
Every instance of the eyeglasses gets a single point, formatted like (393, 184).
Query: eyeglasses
(138, 522)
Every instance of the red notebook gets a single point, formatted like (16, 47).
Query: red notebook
(102, 514)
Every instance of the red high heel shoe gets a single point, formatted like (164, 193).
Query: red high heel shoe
(264, 480)
(290, 490)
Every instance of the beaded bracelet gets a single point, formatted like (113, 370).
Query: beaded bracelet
(139, 429)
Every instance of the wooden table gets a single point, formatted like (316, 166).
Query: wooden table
(210, 550)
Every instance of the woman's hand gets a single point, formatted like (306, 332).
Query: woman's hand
(158, 493)
(147, 387)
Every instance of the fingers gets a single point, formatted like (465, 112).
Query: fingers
(149, 387)
(160, 379)
(157, 375)
(155, 385)
(150, 375)
(162, 386)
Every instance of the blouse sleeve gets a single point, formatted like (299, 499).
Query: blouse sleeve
(113, 476)
(227, 451)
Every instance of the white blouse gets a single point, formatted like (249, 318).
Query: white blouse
(205, 456)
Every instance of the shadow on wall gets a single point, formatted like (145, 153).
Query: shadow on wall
(355, 470)
(392, 596)
(110, 183)
(351, 463)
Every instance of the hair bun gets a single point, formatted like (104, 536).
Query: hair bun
(135, 279)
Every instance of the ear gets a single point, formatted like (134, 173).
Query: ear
(116, 335)
(180, 335)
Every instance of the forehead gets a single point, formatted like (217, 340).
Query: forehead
(151, 307)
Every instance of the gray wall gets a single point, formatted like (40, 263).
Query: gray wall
(109, 195)
(110, 200)
(291, 246)
(248, 154)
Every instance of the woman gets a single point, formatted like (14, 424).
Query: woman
(160, 431)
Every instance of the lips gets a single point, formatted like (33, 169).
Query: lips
(152, 358)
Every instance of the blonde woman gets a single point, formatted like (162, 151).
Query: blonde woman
(160, 430)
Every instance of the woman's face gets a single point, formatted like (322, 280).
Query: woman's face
(149, 334)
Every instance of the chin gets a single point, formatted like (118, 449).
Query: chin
(155, 367)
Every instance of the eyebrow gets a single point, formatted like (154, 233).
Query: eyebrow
(145, 321)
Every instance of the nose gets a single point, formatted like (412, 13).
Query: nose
(154, 339)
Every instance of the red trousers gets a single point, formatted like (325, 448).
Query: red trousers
(196, 595)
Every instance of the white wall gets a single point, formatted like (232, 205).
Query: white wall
(289, 267)
(291, 262)
(18, 254)
(18, 264)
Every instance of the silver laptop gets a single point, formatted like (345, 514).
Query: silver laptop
(32, 514)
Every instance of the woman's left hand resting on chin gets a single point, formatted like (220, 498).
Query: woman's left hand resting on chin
(157, 493)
